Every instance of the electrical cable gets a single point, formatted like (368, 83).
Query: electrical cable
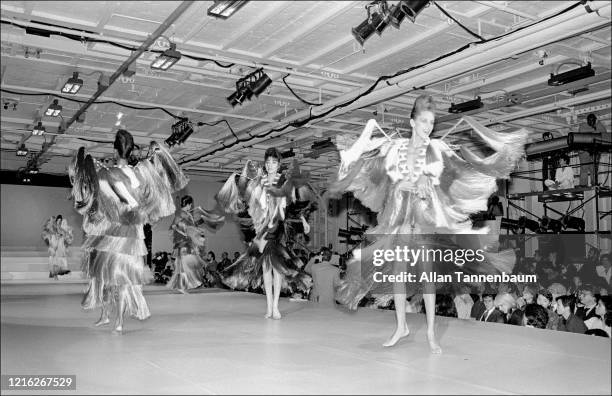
(296, 95)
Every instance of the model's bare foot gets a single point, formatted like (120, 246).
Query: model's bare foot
(118, 330)
(398, 335)
(103, 321)
(433, 345)
(276, 314)
(268, 314)
(183, 291)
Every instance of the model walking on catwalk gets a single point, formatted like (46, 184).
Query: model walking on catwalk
(189, 245)
(419, 186)
(57, 234)
(115, 203)
(265, 194)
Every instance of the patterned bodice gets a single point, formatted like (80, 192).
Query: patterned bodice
(411, 160)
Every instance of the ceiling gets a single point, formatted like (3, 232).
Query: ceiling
(310, 41)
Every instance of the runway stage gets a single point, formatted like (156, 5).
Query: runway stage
(218, 342)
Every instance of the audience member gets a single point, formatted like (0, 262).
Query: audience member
(604, 272)
(535, 316)
(491, 313)
(445, 306)
(545, 300)
(603, 320)
(570, 322)
(224, 263)
(586, 308)
(324, 277)
(463, 302)
(506, 304)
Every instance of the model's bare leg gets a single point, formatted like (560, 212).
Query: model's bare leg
(103, 316)
(277, 287)
(267, 278)
(430, 311)
(401, 330)
(121, 306)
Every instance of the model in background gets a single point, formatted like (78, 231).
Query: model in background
(115, 203)
(265, 194)
(419, 187)
(57, 234)
(189, 245)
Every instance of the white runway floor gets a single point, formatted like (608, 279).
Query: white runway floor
(219, 343)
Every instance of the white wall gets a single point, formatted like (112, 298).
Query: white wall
(26, 208)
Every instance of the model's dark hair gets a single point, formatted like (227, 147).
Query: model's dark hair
(547, 294)
(58, 217)
(567, 301)
(536, 316)
(272, 152)
(124, 143)
(421, 104)
(186, 200)
(212, 254)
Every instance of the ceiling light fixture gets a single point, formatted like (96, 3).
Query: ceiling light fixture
(412, 8)
(466, 106)
(571, 76)
(225, 9)
(22, 151)
(38, 129)
(73, 85)
(54, 109)
(167, 59)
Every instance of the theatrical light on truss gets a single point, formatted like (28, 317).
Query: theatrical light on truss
(571, 76)
(465, 106)
(288, 154)
(372, 23)
(412, 8)
(574, 223)
(38, 130)
(54, 109)
(73, 85)
(180, 132)
(225, 9)
(396, 15)
(260, 81)
(22, 151)
(166, 59)
(509, 224)
(525, 223)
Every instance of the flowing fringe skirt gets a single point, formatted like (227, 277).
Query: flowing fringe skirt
(187, 272)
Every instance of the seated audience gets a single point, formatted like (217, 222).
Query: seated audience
(535, 316)
(603, 320)
(506, 304)
(586, 309)
(570, 322)
(545, 300)
(463, 302)
(491, 313)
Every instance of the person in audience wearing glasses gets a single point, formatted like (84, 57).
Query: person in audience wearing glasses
(564, 176)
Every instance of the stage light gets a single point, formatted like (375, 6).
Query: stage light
(32, 171)
(525, 223)
(571, 76)
(509, 224)
(225, 9)
(363, 31)
(73, 85)
(397, 15)
(412, 8)
(22, 151)
(288, 154)
(575, 223)
(168, 58)
(465, 106)
(39, 129)
(261, 82)
(54, 109)
(548, 224)
(180, 132)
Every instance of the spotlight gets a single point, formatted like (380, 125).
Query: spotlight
(396, 16)
(572, 75)
(54, 109)
(525, 223)
(466, 106)
(73, 85)
(509, 224)
(261, 83)
(412, 8)
(225, 9)
(32, 171)
(39, 129)
(363, 31)
(575, 223)
(288, 154)
(22, 151)
(548, 224)
(375, 22)
(168, 58)
(180, 132)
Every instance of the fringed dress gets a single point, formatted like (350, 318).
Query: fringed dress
(57, 239)
(189, 247)
(116, 202)
(266, 208)
(423, 196)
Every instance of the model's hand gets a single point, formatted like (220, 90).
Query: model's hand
(271, 183)
(305, 225)
(261, 242)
